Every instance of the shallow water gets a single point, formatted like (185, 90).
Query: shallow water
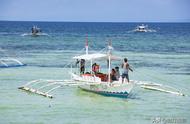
(161, 57)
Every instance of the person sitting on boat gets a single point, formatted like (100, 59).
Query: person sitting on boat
(95, 68)
(113, 75)
(125, 66)
(82, 66)
(117, 72)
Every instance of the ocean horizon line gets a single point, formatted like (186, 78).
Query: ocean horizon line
(94, 21)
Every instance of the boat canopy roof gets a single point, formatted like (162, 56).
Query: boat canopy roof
(95, 56)
(91, 56)
(142, 26)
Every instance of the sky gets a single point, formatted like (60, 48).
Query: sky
(96, 10)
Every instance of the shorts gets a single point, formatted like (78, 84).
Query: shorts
(82, 69)
(125, 76)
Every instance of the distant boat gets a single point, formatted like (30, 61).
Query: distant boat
(10, 62)
(7, 62)
(35, 31)
(142, 28)
(95, 82)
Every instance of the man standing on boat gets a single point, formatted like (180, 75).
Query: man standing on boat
(125, 66)
(82, 66)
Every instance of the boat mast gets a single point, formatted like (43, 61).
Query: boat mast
(86, 46)
(109, 60)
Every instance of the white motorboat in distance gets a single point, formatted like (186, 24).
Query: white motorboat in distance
(141, 28)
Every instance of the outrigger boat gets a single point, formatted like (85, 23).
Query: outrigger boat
(35, 31)
(99, 83)
(10, 62)
(95, 82)
(7, 62)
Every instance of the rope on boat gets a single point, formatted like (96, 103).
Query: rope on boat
(70, 62)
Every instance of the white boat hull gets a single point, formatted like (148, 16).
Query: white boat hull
(115, 89)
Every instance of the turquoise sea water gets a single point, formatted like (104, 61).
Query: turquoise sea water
(161, 57)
